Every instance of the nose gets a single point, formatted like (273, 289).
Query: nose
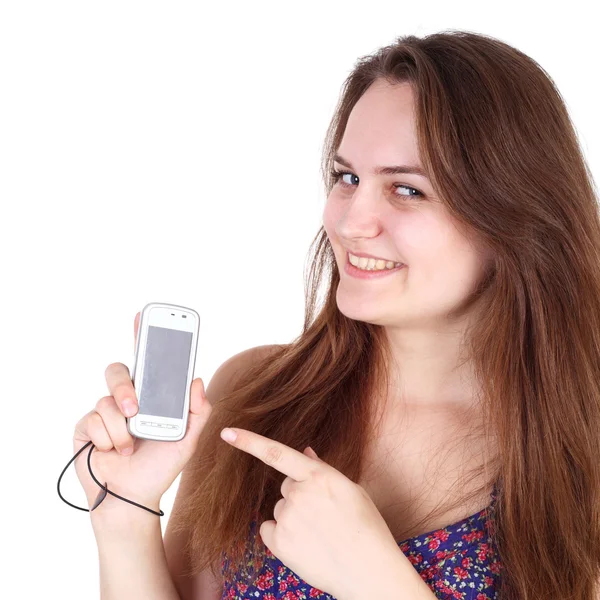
(362, 216)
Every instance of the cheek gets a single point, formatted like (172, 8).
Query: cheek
(448, 273)
(331, 215)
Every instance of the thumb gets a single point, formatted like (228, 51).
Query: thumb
(310, 452)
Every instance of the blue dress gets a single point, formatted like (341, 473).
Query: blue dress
(457, 562)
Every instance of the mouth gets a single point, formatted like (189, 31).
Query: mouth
(366, 273)
(371, 263)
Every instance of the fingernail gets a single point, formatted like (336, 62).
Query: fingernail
(128, 407)
(228, 435)
(127, 451)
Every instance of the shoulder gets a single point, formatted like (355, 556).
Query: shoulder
(235, 366)
(249, 356)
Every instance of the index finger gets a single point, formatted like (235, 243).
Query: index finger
(286, 460)
(136, 328)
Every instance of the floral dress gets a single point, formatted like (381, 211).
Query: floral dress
(457, 562)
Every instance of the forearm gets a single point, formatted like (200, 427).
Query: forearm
(131, 553)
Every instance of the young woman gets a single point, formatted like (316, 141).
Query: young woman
(433, 431)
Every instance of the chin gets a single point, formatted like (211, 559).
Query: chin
(359, 310)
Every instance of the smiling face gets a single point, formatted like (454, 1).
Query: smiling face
(395, 217)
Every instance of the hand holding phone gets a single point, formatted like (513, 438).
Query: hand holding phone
(148, 472)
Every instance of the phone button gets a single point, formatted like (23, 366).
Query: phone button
(161, 425)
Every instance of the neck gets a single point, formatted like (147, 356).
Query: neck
(428, 368)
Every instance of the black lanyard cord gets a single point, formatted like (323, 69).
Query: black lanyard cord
(103, 491)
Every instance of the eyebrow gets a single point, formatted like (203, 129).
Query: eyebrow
(393, 170)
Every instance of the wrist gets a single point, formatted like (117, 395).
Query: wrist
(114, 514)
(393, 578)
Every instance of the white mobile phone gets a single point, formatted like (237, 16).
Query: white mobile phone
(163, 371)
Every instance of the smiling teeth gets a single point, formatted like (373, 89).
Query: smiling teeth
(371, 264)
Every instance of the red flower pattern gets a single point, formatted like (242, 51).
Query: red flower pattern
(457, 562)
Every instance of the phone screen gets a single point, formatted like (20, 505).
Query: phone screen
(165, 372)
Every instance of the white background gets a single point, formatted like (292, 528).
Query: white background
(170, 151)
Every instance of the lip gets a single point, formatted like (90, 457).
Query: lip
(365, 255)
(353, 271)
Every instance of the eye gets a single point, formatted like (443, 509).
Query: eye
(338, 177)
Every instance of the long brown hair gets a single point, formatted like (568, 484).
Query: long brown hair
(502, 153)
